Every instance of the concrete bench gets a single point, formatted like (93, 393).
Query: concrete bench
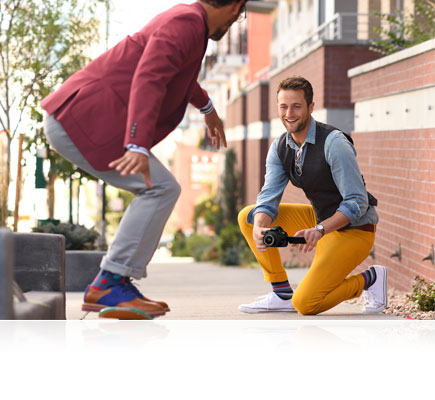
(36, 262)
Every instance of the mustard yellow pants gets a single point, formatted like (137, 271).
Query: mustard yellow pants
(326, 283)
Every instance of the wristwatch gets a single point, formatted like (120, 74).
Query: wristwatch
(320, 228)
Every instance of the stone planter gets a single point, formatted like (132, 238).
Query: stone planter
(81, 267)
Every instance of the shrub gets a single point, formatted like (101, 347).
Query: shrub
(77, 237)
(229, 237)
(200, 246)
(230, 256)
(178, 246)
(423, 294)
(248, 256)
(210, 210)
(232, 246)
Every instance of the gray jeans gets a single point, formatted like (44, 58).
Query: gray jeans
(142, 224)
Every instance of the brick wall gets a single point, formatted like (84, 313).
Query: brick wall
(312, 68)
(257, 103)
(399, 168)
(338, 60)
(236, 112)
(401, 76)
(326, 68)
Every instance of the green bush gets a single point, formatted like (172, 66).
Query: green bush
(77, 237)
(210, 210)
(178, 246)
(200, 247)
(247, 256)
(230, 256)
(229, 237)
(229, 248)
(231, 245)
(423, 294)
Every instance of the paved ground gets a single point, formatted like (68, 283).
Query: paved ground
(206, 291)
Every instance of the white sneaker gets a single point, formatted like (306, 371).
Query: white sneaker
(376, 297)
(268, 303)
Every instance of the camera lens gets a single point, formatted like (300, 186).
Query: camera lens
(268, 240)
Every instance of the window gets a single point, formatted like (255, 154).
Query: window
(322, 12)
(399, 5)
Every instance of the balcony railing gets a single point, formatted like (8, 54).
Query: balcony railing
(343, 27)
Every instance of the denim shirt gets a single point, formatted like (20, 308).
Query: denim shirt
(340, 154)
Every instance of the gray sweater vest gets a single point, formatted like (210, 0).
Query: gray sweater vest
(316, 180)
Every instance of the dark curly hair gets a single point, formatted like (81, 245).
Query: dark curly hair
(220, 3)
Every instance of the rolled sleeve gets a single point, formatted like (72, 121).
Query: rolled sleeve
(275, 182)
(341, 156)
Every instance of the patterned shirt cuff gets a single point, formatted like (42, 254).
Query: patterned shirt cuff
(208, 108)
(137, 149)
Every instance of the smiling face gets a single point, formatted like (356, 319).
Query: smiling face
(293, 110)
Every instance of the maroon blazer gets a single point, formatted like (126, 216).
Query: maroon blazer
(137, 92)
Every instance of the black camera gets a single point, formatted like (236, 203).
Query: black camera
(277, 237)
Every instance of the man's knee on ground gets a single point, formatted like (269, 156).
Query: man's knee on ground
(304, 304)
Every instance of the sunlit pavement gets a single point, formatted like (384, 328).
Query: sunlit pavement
(208, 291)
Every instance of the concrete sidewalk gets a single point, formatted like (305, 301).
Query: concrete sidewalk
(207, 291)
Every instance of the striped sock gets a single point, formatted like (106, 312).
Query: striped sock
(369, 276)
(105, 279)
(283, 290)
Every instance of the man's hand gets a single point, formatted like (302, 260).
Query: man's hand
(312, 236)
(215, 129)
(258, 234)
(132, 163)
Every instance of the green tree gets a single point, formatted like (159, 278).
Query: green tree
(401, 30)
(42, 43)
(232, 190)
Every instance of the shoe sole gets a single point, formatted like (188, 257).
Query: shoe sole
(89, 307)
(378, 310)
(262, 311)
(124, 313)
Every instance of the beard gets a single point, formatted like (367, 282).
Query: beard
(219, 34)
(300, 126)
(222, 30)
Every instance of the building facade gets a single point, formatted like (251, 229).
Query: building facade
(323, 40)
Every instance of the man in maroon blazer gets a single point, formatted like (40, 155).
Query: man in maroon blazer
(107, 117)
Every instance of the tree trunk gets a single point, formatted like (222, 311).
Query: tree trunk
(5, 169)
(51, 195)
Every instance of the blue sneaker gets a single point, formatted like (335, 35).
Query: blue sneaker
(119, 296)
